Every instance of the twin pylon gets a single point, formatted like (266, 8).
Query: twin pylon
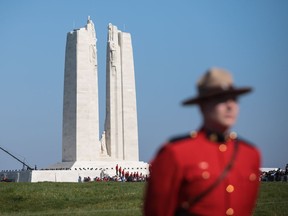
(80, 140)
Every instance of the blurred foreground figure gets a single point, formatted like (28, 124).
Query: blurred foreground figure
(211, 171)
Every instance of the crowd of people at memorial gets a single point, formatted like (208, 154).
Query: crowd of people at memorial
(275, 175)
(121, 175)
(5, 179)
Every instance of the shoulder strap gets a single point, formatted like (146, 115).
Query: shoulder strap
(224, 173)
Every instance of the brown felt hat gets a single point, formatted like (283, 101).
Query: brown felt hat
(216, 82)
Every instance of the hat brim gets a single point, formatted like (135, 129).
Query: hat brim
(232, 92)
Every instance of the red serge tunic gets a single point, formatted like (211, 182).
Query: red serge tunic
(185, 167)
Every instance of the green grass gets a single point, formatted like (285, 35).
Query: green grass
(97, 198)
(273, 199)
(107, 198)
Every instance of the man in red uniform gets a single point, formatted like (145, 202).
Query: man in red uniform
(211, 171)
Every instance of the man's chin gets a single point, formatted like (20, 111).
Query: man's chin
(228, 125)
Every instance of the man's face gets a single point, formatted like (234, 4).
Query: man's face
(220, 113)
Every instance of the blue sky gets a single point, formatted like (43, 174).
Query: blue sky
(174, 42)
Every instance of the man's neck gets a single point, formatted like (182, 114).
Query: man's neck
(216, 129)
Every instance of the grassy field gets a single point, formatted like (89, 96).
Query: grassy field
(107, 198)
(273, 199)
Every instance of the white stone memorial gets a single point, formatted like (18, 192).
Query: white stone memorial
(121, 117)
(80, 138)
(83, 153)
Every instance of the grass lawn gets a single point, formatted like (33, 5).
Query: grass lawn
(273, 199)
(107, 198)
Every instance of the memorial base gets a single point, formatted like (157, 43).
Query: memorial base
(76, 171)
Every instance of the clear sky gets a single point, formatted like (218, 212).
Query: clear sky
(174, 42)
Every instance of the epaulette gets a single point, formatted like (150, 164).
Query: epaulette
(192, 134)
(175, 139)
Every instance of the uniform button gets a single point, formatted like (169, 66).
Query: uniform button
(203, 165)
(213, 137)
(252, 177)
(230, 188)
(230, 211)
(233, 135)
(193, 134)
(223, 147)
(205, 175)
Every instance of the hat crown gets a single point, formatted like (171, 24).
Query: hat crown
(216, 82)
(215, 78)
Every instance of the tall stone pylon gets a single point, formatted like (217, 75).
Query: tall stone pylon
(82, 152)
(80, 138)
(121, 112)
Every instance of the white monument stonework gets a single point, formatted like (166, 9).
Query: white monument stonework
(83, 154)
(80, 138)
(121, 112)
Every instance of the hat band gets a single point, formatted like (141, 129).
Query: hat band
(214, 90)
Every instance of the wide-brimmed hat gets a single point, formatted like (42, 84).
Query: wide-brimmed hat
(216, 82)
